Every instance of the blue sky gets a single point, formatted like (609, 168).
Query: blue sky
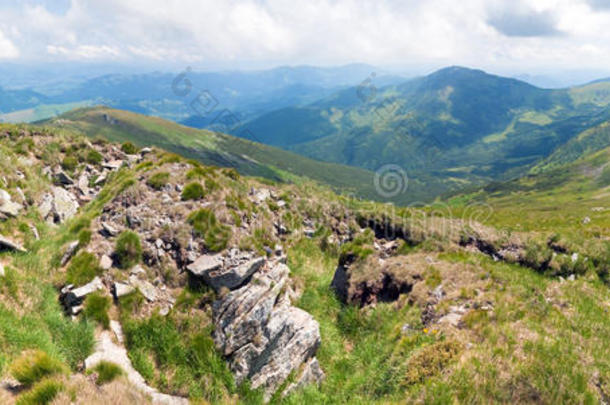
(498, 35)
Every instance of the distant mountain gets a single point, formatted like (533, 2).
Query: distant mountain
(456, 122)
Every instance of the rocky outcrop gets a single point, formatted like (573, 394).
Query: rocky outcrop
(384, 281)
(58, 206)
(219, 273)
(262, 336)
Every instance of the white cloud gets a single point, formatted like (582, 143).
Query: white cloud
(485, 33)
(7, 49)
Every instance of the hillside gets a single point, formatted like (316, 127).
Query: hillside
(456, 122)
(201, 285)
(250, 158)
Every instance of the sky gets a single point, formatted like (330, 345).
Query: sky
(498, 35)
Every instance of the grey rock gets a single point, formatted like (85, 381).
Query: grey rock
(109, 230)
(312, 374)
(263, 337)
(137, 270)
(7, 206)
(205, 264)
(105, 262)
(75, 297)
(148, 290)
(70, 250)
(113, 165)
(145, 151)
(232, 277)
(101, 179)
(65, 204)
(83, 184)
(309, 232)
(121, 289)
(62, 177)
(2, 272)
(7, 244)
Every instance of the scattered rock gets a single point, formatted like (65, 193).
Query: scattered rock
(105, 262)
(8, 207)
(148, 290)
(109, 230)
(7, 244)
(74, 297)
(65, 205)
(121, 289)
(70, 250)
(62, 177)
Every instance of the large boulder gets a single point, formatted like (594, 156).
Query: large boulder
(218, 276)
(263, 337)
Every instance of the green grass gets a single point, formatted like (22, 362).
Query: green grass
(192, 191)
(83, 268)
(128, 249)
(33, 366)
(206, 225)
(158, 180)
(96, 308)
(42, 393)
(106, 372)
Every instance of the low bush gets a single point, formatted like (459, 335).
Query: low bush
(42, 393)
(192, 191)
(96, 308)
(83, 268)
(69, 163)
(430, 361)
(158, 180)
(129, 148)
(206, 226)
(32, 366)
(106, 372)
(128, 249)
(94, 157)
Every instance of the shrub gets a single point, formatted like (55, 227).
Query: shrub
(69, 163)
(96, 308)
(211, 185)
(231, 173)
(43, 393)
(206, 226)
(83, 268)
(129, 148)
(431, 360)
(158, 180)
(84, 237)
(94, 157)
(33, 366)
(106, 372)
(192, 191)
(128, 249)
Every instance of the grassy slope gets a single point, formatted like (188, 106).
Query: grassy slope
(544, 341)
(216, 149)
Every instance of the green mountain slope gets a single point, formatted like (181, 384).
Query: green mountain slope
(214, 148)
(455, 120)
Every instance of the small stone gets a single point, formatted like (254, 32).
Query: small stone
(571, 277)
(121, 289)
(2, 272)
(586, 220)
(137, 270)
(70, 250)
(115, 327)
(205, 264)
(62, 177)
(148, 290)
(105, 262)
(109, 230)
